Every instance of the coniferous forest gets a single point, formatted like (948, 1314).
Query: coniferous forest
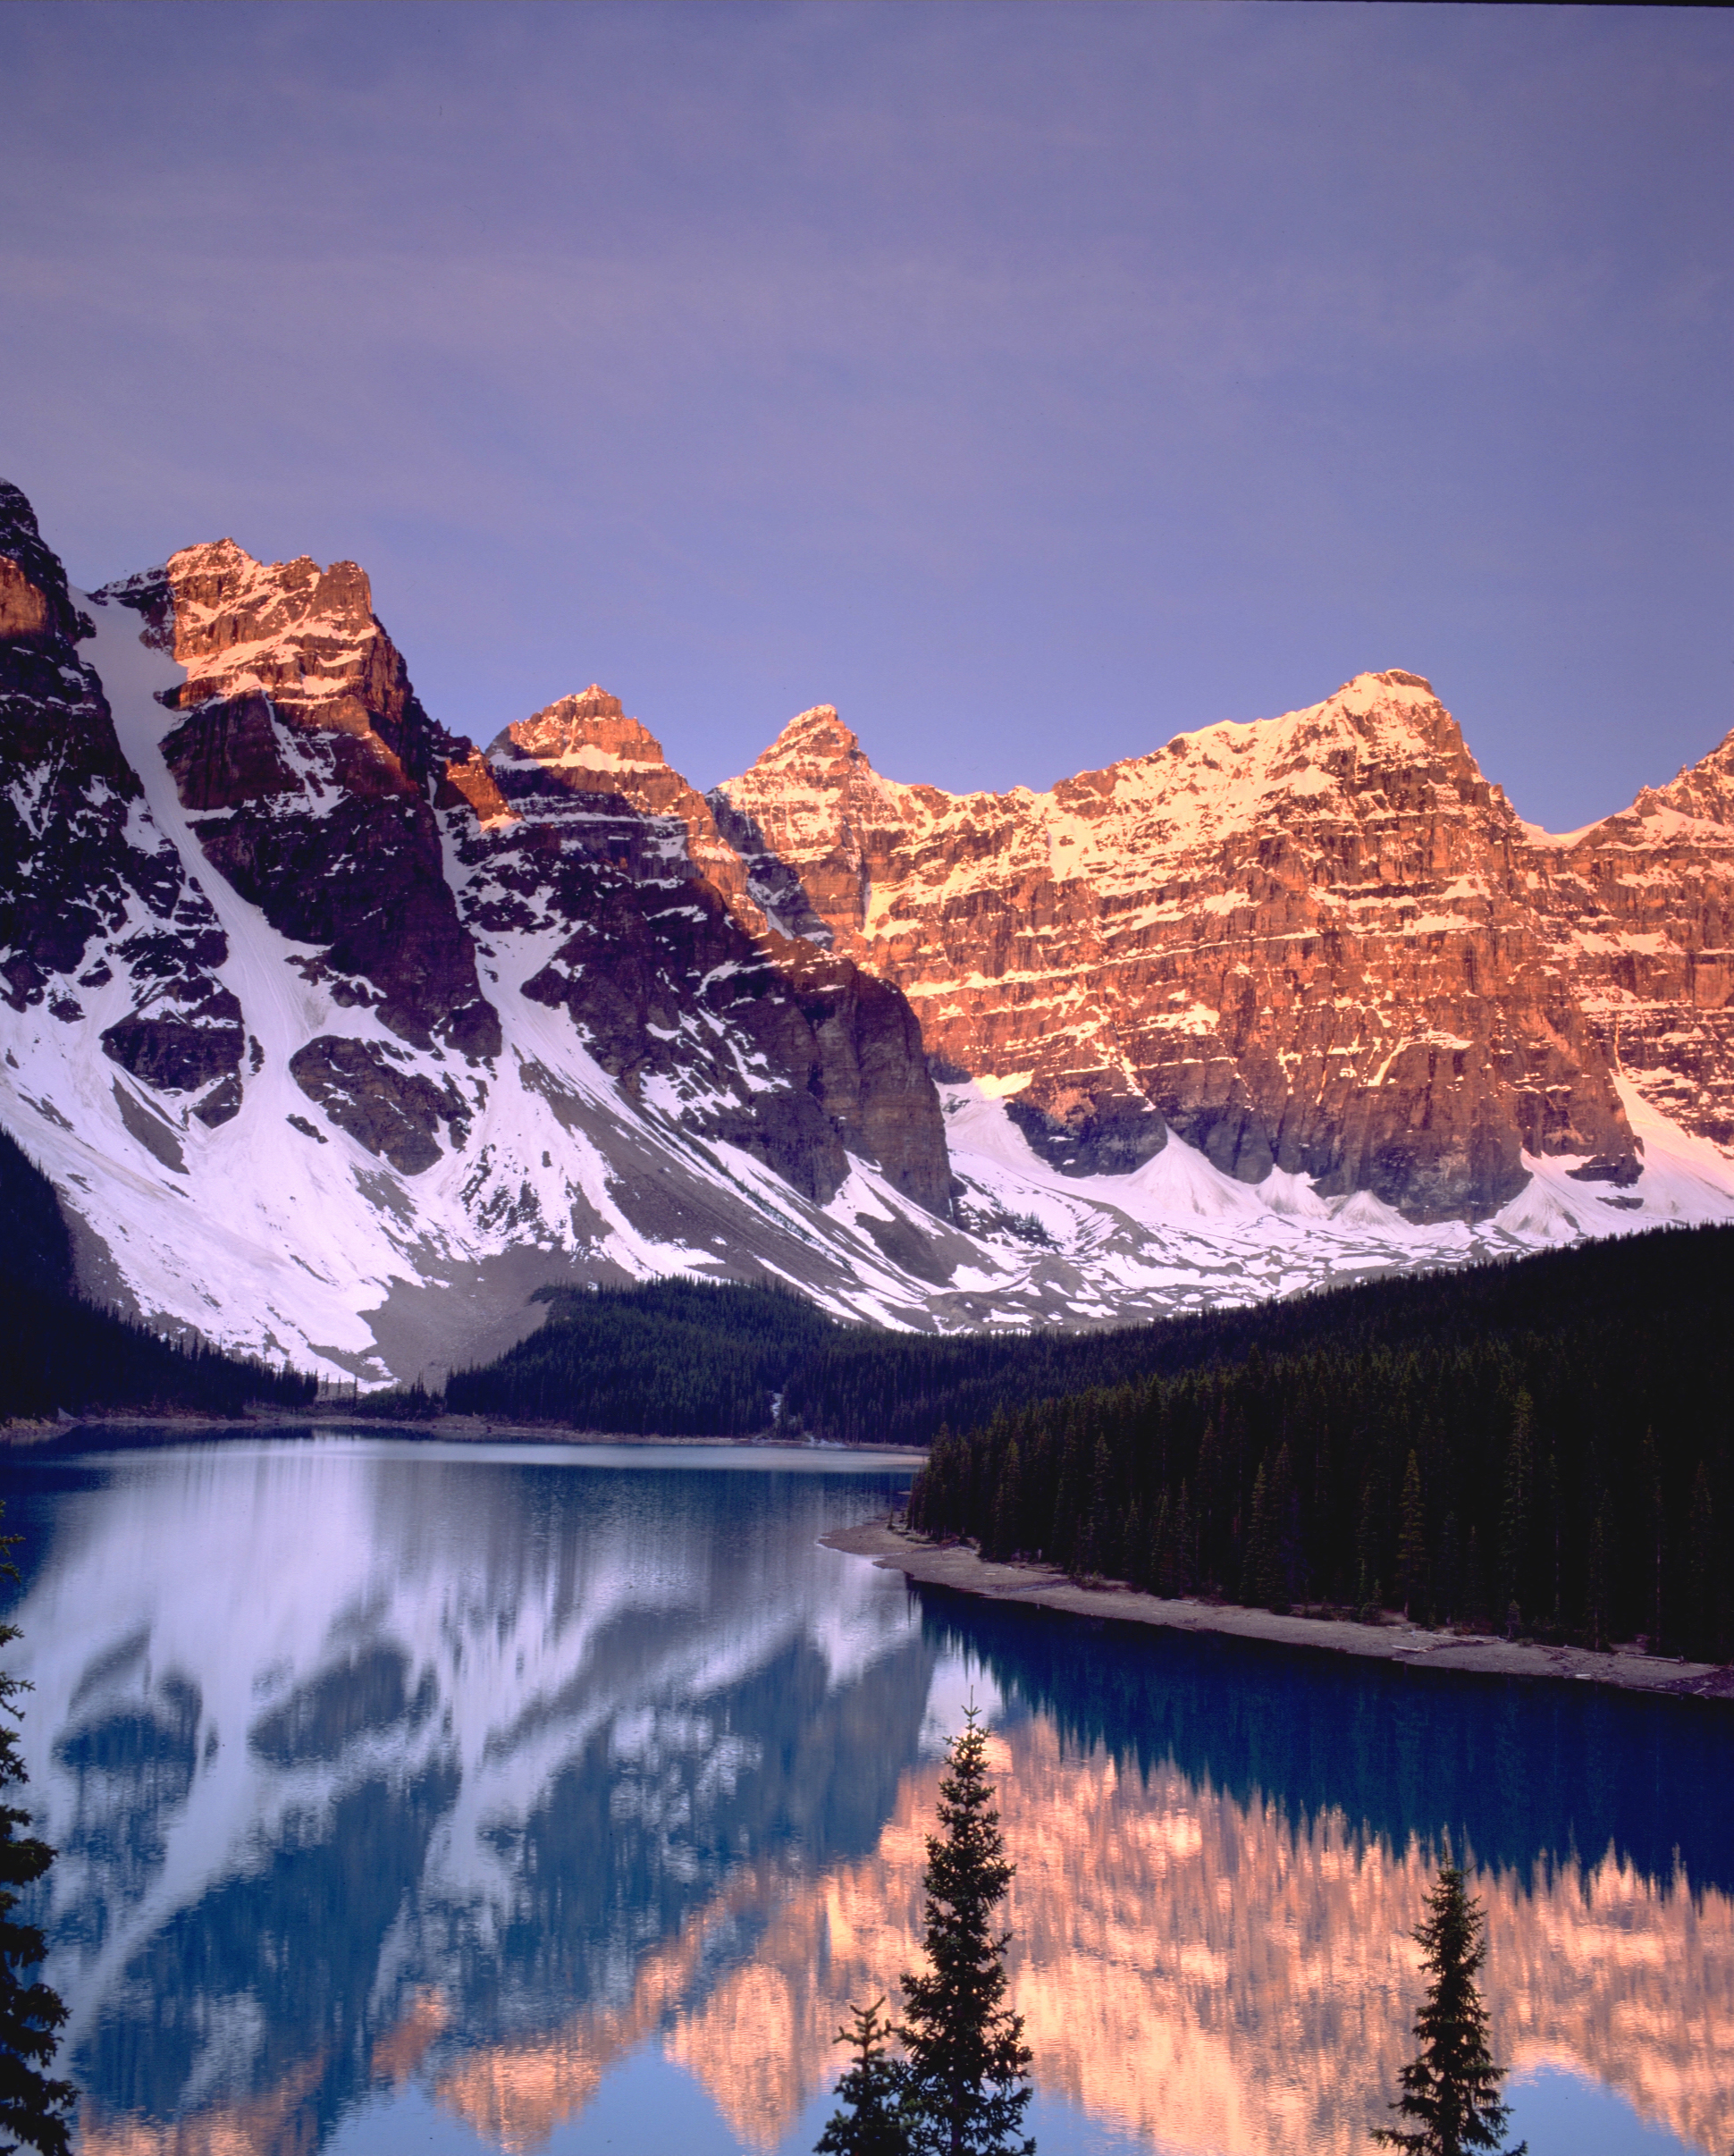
(674, 1358)
(1544, 1446)
(57, 1351)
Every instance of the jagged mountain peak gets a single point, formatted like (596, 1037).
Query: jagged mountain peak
(1380, 739)
(591, 729)
(816, 735)
(341, 1035)
(1703, 791)
(34, 599)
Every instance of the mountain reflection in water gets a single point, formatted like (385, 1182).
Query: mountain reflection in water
(474, 1775)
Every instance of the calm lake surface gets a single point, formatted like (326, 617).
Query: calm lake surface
(442, 1798)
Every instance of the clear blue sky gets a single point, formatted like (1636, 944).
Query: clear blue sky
(1030, 380)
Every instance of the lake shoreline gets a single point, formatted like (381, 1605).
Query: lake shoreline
(86, 1431)
(960, 1566)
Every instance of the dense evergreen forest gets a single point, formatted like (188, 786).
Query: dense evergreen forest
(1546, 1446)
(673, 1358)
(58, 1351)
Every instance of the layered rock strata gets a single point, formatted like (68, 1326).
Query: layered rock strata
(314, 1011)
(1308, 943)
(1641, 907)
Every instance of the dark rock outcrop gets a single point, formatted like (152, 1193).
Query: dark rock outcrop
(394, 1113)
(667, 966)
(88, 892)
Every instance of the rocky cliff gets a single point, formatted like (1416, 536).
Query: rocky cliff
(590, 853)
(304, 759)
(316, 1011)
(1308, 944)
(101, 925)
(1641, 911)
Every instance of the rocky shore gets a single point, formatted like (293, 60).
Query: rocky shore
(958, 1565)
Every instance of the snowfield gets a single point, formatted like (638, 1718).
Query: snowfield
(277, 1234)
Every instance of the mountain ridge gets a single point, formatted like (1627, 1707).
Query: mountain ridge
(361, 1013)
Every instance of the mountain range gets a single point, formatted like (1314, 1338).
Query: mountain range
(316, 1011)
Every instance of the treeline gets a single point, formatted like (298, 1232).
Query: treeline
(672, 1358)
(57, 1351)
(869, 1387)
(1545, 1446)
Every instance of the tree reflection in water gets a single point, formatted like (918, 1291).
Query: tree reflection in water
(380, 1768)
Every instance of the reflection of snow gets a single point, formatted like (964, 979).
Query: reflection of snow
(959, 1681)
(491, 1614)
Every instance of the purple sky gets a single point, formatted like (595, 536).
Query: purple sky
(1031, 382)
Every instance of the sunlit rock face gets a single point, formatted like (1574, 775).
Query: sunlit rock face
(315, 1013)
(1304, 943)
(1642, 909)
(311, 1027)
(304, 761)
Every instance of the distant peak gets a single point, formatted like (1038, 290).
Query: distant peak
(592, 727)
(817, 732)
(593, 703)
(1361, 688)
(218, 573)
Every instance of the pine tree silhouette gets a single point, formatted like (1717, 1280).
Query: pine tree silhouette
(875, 2123)
(32, 2106)
(966, 2079)
(1451, 2089)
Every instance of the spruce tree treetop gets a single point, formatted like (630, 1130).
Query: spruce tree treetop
(1451, 2088)
(967, 2080)
(875, 2123)
(32, 2106)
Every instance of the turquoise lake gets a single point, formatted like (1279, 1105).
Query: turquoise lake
(412, 1795)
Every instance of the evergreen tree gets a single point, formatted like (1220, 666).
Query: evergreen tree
(1186, 1565)
(1367, 1551)
(1007, 1538)
(875, 2124)
(966, 2079)
(1514, 1514)
(1655, 1529)
(1258, 1572)
(1449, 1573)
(1162, 1549)
(1451, 2089)
(1412, 1544)
(1285, 1562)
(32, 2106)
(1595, 1583)
(1701, 1570)
(1475, 1606)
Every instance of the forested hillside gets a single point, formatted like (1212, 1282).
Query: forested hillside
(1546, 1445)
(59, 1351)
(674, 1358)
